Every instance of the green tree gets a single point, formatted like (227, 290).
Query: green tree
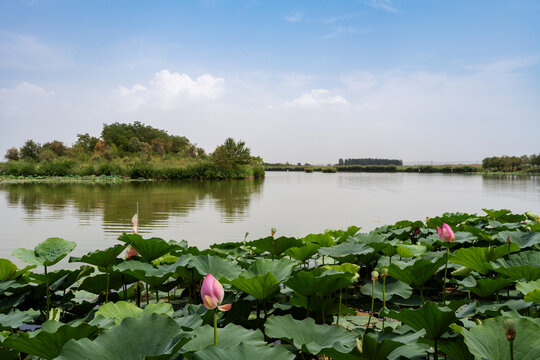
(30, 150)
(231, 154)
(57, 147)
(12, 154)
(86, 142)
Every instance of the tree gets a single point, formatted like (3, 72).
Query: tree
(12, 154)
(30, 150)
(86, 142)
(57, 147)
(231, 154)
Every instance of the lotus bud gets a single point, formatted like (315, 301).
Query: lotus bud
(478, 322)
(246, 235)
(212, 294)
(509, 240)
(273, 230)
(384, 271)
(510, 329)
(446, 233)
(360, 344)
(374, 275)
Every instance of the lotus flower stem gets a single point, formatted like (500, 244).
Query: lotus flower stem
(445, 272)
(48, 295)
(157, 295)
(374, 278)
(436, 354)
(215, 326)
(383, 298)
(147, 294)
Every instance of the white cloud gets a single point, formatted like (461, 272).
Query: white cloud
(344, 31)
(317, 98)
(169, 89)
(385, 5)
(296, 17)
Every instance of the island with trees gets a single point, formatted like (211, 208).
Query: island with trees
(132, 151)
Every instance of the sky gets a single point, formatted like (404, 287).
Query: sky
(299, 81)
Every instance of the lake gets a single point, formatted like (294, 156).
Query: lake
(209, 212)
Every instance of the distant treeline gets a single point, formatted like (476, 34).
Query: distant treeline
(370, 161)
(123, 148)
(512, 163)
(458, 169)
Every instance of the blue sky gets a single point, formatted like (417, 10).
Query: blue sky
(299, 81)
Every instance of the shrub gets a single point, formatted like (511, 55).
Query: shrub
(56, 168)
(12, 154)
(329, 169)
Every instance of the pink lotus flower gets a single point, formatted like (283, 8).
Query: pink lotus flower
(212, 294)
(446, 234)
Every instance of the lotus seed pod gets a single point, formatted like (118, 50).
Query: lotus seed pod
(273, 230)
(374, 275)
(384, 271)
(510, 329)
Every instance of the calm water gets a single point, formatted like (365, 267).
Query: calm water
(208, 212)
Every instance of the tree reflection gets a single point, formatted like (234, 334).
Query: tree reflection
(157, 201)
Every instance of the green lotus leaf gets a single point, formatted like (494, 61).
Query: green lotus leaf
(342, 235)
(347, 248)
(392, 288)
(154, 276)
(46, 253)
(495, 309)
(230, 335)
(122, 310)
(478, 258)
(378, 242)
(304, 252)
(318, 281)
(433, 319)
(504, 216)
(415, 351)
(149, 249)
(374, 349)
(323, 240)
(455, 348)
(523, 239)
(9, 271)
(486, 287)
(418, 271)
(488, 340)
(134, 338)
(523, 265)
(218, 267)
(14, 319)
(47, 342)
(479, 233)
(101, 258)
(281, 269)
(261, 287)
(452, 219)
(405, 250)
(309, 337)
(530, 289)
(275, 246)
(244, 352)
(96, 284)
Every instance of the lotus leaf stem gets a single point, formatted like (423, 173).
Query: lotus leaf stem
(445, 272)
(372, 305)
(383, 298)
(339, 307)
(48, 295)
(108, 285)
(511, 349)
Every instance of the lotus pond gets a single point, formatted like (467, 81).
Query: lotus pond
(468, 290)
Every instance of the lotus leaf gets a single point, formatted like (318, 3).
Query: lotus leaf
(504, 215)
(230, 335)
(304, 252)
(416, 272)
(345, 249)
(281, 269)
(487, 287)
(309, 337)
(101, 258)
(323, 240)
(433, 319)
(478, 258)
(530, 289)
(488, 340)
(144, 271)
(392, 288)
(275, 246)
(218, 267)
(261, 287)
(319, 281)
(46, 253)
(523, 265)
(244, 351)
(523, 239)
(405, 250)
(9, 271)
(49, 340)
(14, 319)
(149, 249)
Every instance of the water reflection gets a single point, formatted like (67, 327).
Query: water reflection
(117, 203)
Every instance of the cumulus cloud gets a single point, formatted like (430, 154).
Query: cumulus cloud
(317, 98)
(169, 89)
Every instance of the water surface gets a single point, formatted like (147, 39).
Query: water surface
(218, 211)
